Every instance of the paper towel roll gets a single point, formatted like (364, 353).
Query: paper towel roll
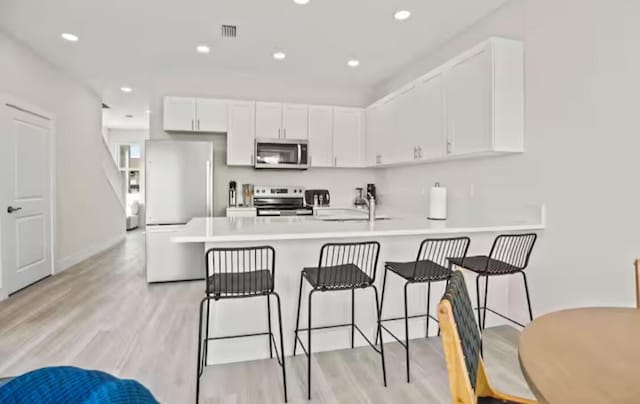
(438, 203)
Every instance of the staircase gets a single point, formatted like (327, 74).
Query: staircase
(114, 176)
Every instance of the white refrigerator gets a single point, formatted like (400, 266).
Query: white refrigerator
(179, 177)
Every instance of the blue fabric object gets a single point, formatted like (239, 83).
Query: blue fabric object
(72, 385)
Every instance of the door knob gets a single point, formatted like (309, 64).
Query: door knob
(11, 209)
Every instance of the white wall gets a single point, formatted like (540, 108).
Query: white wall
(89, 217)
(582, 87)
(341, 183)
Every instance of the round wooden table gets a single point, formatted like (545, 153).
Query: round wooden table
(583, 356)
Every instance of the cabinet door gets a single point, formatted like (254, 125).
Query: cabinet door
(211, 115)
(268, 120)
(386, 132)
(431, 137)
(406, 111)
(347, 137)
(241, 133)
(320, 136)
(179, 114)
(373, 135)
(295, 121)
(469, 105)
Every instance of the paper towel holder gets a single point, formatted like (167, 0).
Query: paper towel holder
(439, 219)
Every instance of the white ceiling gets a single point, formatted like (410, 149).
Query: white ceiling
(141, 43)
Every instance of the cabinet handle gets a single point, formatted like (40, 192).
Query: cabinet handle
(284, 135)
(279, 134)
(419, 152)
(335, 162)
(192, 125)
(310, 160)
(252, 159)
(448, 146)
(198, 122)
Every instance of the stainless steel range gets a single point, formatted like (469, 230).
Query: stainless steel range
(280, 201)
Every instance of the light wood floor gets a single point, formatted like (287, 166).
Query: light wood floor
(102, 315)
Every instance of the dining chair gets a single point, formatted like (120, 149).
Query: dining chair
(461, 340)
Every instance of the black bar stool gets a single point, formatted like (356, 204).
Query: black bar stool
(342, 266)
(433, 264)
(509, 255)
(233, 273)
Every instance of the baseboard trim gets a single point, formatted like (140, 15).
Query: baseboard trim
(67, 262)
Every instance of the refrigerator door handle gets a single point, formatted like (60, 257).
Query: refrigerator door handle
(208, 190)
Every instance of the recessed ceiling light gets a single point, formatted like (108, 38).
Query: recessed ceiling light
(203, 49)
(126, 89)
(279, 56)
(402, 15)
(128, 116)
(353, 63)
(70, 37)
(147, 111)
(301, 2)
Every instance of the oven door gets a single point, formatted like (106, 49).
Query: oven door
(281, 153)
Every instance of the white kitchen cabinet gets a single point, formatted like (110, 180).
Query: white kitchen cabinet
(179, 114)
(189, 114)
(429, 136)
(295, 121)
(320, 136)
(348, 139)
(241, 212)
(241, 133)
(268, 120)
(469, 99)
(211, 115)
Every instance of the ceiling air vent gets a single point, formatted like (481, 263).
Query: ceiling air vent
(229, 31)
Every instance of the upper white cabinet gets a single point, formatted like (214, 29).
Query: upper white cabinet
(269, 120)
(295, 121)
(188, 114)
(281, 121)
(348, 137)
(241, 133)
(472, 105)
(320, 136)
(179, 114)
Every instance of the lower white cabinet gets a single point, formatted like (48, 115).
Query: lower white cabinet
(320, 136)
(241, 133)
(241, 212)
(348, 137)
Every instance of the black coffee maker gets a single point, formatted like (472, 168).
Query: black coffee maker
(371, 190)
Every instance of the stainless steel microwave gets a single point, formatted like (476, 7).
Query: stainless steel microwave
(282, 153)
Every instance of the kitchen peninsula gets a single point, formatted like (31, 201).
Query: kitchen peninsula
(297, 242)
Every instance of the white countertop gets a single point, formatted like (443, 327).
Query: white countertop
(222, 229)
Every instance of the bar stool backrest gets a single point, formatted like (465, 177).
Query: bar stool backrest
(441, 250)
(241, 271)
(511, 249)
(338, 261)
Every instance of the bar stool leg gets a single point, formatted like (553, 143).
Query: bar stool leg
(270, 336)
(478, 301)
(379, 312)
(428, 307)
(384, 284)
(353, 317)
(284, 372)
(526, 290)
(406, 329)
(206, 338)
(199, 367)
(484, 309)
(309, 350)
(295, 339)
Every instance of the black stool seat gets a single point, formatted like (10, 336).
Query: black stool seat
(337, 277)
(483, 264)
(251, 282)
(420, 271)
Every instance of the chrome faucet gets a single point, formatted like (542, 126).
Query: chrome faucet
(371, 204)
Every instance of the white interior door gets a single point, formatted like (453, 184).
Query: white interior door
(25, 142)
